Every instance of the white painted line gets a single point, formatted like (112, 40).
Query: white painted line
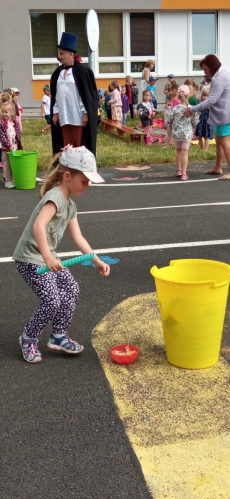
(127, 249)
(39, 179)
(225, 203)
(174, 182)
(8, 218)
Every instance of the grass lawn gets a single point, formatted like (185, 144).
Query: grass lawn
(111, 151)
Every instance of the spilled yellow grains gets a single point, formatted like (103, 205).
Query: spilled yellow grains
(177, 420)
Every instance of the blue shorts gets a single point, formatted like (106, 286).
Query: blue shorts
(48, 120)
(223, 130)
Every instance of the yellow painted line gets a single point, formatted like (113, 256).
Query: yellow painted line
(177, 420)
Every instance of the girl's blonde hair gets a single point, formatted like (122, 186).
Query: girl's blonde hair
(191, 88)
(5, 97)
(190, 81)
(173, 85)
(204, 91)
(10, 92)
(183, 98)
(55, 174)
(12, 107)
(149, 62)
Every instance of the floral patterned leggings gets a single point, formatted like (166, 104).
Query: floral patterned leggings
(58, 292)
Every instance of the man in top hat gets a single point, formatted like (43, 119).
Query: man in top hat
(74, 100)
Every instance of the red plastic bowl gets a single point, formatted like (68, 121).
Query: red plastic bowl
(124, 349)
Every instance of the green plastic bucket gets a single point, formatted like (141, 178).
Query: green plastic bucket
(24, 168)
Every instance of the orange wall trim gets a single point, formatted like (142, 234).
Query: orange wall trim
(101, 83)
(194, 5)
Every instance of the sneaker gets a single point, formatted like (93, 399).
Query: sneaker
(64, 343)
(179, 173)
(9, 185)
(30, 350)
(184, 176)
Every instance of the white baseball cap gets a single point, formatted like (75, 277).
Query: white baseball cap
(15, 90)
(80, 158)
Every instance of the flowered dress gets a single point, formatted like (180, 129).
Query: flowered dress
(203, 128)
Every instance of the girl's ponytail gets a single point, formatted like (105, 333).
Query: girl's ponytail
(54, 177)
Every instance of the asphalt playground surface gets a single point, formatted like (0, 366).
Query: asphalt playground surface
(61, 432)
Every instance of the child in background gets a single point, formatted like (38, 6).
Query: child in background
(168, 127)
(146, 112)
(57, 289)
(106, 103)
(125, 105)
(129, 94)
(10, 138)
(4, 97)
(182, 130)
(152, 88)
(192, 100)
(206, 82)
(171, 102)
(1, 165)
(193, 87)
(170, 77)
(204, 131)
(45, 109)
(173, 91)
(135, 92)
(115, 102)
(15, 99)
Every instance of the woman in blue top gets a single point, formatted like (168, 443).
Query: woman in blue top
(218, 103)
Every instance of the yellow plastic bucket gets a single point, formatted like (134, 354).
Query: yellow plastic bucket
(192, 297)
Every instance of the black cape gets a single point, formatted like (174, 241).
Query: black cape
(85, 82)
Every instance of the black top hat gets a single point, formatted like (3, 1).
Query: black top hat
(68, 42)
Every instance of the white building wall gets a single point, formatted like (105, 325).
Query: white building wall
(224, 38)
(172, 50)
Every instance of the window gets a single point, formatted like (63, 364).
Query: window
(111, 67)
(203, 36)
(75, 23)
(44, 35)
(111, 35)
(137, 67)
(44, 69)
(142, 34)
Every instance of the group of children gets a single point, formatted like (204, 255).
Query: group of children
(183, 128)
(10, 131)
(118, 101)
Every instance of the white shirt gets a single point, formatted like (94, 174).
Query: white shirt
(46, 102)
(68, 103)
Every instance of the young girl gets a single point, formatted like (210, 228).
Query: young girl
(129, 93)
(146, 112)
(106, 103)
(135, 92)
(115, 102)
(125, 104)
(10, 138)
(172, 101)
(15, 98)
(204, 131)
(182, 130)
(57, 289)
(45, 109)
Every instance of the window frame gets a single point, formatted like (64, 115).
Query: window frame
(126, 59)
(199, 57)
